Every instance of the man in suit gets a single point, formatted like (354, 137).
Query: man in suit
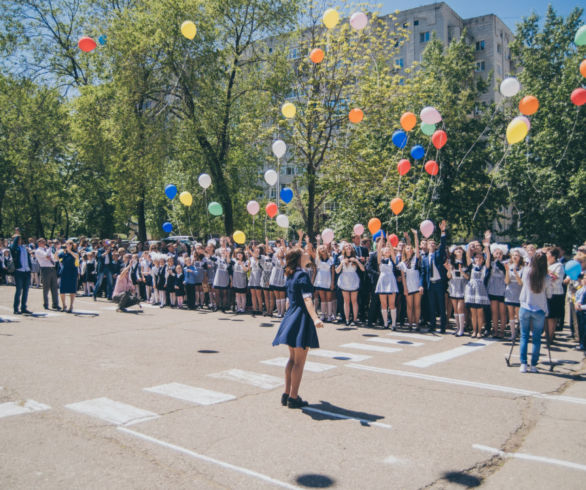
(22, 273)
(435, 278)
(372, 269)
(363, 293)
(104, 267)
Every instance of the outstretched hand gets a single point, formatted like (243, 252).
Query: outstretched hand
(442, 226)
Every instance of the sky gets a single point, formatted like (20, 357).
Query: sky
(510, 11)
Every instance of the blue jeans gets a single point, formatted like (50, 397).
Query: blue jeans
(526, 318)
(107, 274)
(23, 281)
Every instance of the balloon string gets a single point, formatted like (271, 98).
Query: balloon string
(570, 138)
(494, 173)
(418, 178)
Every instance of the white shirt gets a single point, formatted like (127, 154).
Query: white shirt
(44, 257)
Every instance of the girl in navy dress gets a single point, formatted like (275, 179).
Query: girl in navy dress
(458, 276)
(412, 280)
(298, 328)
(69, 264)
(496, 291)
(513, 275)
(179, 286)
(386, 286)
(198, 263)
(210, 266)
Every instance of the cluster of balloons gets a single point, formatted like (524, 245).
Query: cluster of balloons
(519, 127)
(358, 20)
(87, 44)
(578, 96)
(185, 197)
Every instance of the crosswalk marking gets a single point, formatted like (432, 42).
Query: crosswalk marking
(447, 355)
(9, 409)
(111, 411)
(192, 394)
(265, 381)
(407, 343)
(315, 367)
(431, 338)
(374, 348)
(342, 356)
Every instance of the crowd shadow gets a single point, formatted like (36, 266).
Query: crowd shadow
(324, 406)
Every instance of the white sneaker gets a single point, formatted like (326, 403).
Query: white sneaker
(532, 369)
(523, 368)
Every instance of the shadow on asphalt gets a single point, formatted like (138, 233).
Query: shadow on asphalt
(461, 478)
(313, 480)
(328, 407)
(81, 313)
(370, 335)
(207, 351)
(267, 325)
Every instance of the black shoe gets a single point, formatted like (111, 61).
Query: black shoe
(26, 312)
(95, 298)
(46, 307)
(296, 402)
(16, 312)
(284, 398)
(443, 330)
(56, 307)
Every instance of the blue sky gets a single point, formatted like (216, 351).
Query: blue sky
(510, 11)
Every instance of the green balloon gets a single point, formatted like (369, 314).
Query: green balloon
(580, 39)
(427, 129)
(215, 208)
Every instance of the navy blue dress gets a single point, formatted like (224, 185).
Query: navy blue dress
(68, 283)
(297, 328)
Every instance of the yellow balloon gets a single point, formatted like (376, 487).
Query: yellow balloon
(186, 198)
(239, 237)
(288, 110)
(331, 18)
(516, 131)
(188, 29)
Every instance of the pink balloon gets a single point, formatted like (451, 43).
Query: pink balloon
(358, 21)
(426, 228)
(327, 235)
(358, 229)
(252, 207)
(430, 115)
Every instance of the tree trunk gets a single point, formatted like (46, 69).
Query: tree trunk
(142, 234)
(310, 224)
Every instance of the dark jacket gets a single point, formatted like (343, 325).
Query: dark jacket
(16, 254)
(439, 259)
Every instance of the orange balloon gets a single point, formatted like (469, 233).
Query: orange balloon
(374, 225)
(397, 205)
(529, 105)
(432, 168)
(316, 55)
(408, 121)
(272, 210)
(356, 115)
(583, 68)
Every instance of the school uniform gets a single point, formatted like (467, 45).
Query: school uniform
(475, 293)
(323, 274)
(435, 280)
(277, 280)
(413, 277)
(457, 283)
(266, 264)
(513, 289)
(387, 283)
(238, 277)
(254, 281)
(496, 283)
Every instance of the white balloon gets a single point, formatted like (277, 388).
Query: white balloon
(430, 115)
(358, 21)
(205, 180)
(279, 148)
(327, 235)
(510, 87)
(271, 177)
(283, 221)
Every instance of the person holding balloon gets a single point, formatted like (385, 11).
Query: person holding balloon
(410, 266)
(386, 286)
(349, 281)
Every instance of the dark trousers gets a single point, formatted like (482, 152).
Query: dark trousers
(363, 297)
(109, 283)
(23, 281)
(49, 281)
(190, 294)
(374, 314)
(581, 315)
(437, 304)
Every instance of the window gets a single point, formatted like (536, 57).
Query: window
(290, 171)
(293, 55)
(499, 48)
(479, 45)
(480, 66)
(424, 37)
(415, 22)
(399, 63)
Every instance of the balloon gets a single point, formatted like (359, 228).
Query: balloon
(426, 228)
(400, 139)
(358, 229)
(408, 121)
(377, 234)
(279, 148)
(331, 18)
(510, 87)
(397, 205)
(316, 55)
(439, 139)
(573, 269)
(171, 191)
(431, 167)
(516, 131)
(188, 29)
(186, 198)
(583, 68)
(374, 225)
(427, 129)
(327, 235)
(417, 152)
(204, 180)
(288, 110)
(167, 227)
(358, 21)
(578, 97)
(580, 37)
(286, 195)
(252, 207)
(526, 121)
(528, 105)
(103, 39)
(86, 44)
(356, 115)
(430, 115)
(283, 221)
(271, 210)
(404, 166)
(271, 177)
(239, 237)
(394, 240)
(215, 208)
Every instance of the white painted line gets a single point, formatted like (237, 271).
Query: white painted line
(208, 459)
(346, 417)
(264, 381)
(447, 355)
(116, 413)
(52, 314)
(375, 348)
(530, 457)
(393, 460)
(192, 394)
(19, 408)
(470, 384)
(341, 356)
(430, 337)
(85, 312)
(314, 367)
(406, 343)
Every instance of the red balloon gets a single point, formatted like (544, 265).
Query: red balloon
(579, 96)
(432, 168)
(271, 210)
(394, 240)
(404, 166)
(86, 44)
(439, 139)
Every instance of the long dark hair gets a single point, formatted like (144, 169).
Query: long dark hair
(293, 259)
(538, 272)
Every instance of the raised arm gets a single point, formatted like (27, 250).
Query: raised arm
(486, 243)
(416, 240)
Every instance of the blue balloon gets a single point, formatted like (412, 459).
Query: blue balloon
(286, 195)
(400, 139)
(377, 234)
(573, 269)
(167, 227)
(171, 191)
(418, 152)
(102, 40)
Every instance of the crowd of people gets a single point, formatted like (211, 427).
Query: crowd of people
(413, 284)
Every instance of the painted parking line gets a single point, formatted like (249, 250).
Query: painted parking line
(111, 411)
(469, 384)
(264, 381)
(447, 355)
(341, 356)
(19, 408)
(406, 343)
(374, 348)
(530, 457)
(208, 459)
(192, 394)
(418, 336)
(315, 367)
(346, 417)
